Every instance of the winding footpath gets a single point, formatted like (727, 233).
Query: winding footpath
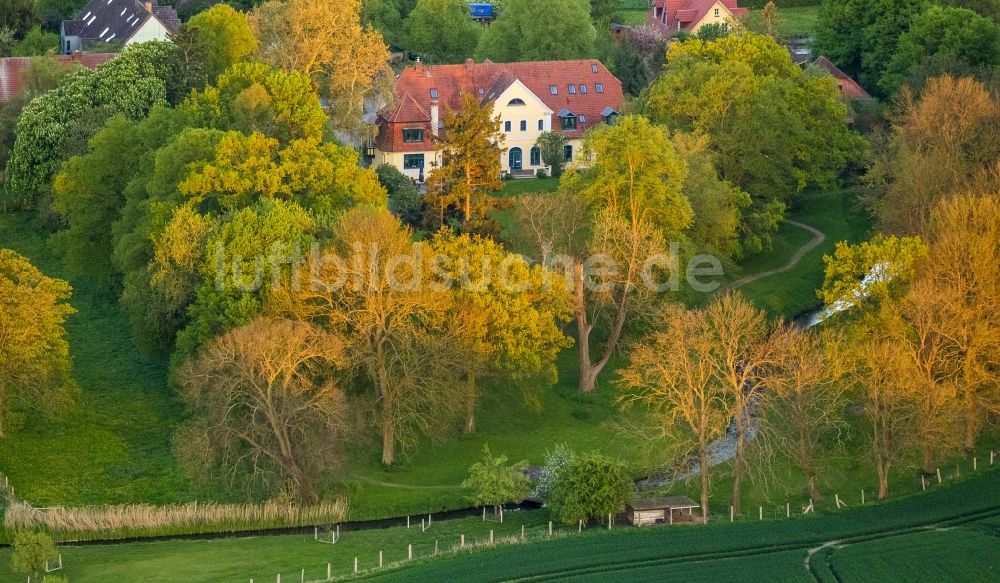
(818, 238)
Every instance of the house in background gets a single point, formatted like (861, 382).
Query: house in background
(566, 97)
(849, 88)
(103, 24)
(691, 15)
(13, 69)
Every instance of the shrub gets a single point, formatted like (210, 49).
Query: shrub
(494, 482)
(555, 461)
(31, 551)
(591, 486)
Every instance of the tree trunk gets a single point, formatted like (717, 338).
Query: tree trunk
(738, 462)
(588, 376)
(971, 424)
(703, 465)
(928, 459)
(470, 403)
(388, 444)
(883, 480)
(814, 492)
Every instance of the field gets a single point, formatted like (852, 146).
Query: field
(950, 532)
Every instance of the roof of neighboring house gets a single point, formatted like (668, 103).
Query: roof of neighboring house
(488, 80)
(118, 20)
(690, 12)
(849, 87)
(663, 503)
(12, 68)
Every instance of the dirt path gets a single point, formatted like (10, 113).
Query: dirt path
(818, 238)
(375, 482)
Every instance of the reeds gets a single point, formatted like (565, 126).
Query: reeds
(144, 520)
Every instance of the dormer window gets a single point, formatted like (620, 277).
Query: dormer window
(553, 90)
(593, 68)
(583, 88)
(583, 118)
(413, 135)
(572, 89)
(610, 116)
(434, 93)
(599, 88)
(516, 101)
(568, 119)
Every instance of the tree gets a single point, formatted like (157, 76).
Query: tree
(990, 8)
(36, 42)
(143, 75)
(526, 30)
(966, 41)
(32, 552)
(224, 37)
(552, 148)
(385, 17)
(372, 288)
(496, 483)
(710, 32)
(591, 486)
(7, 41)
(34, 355)
(441, 31)
(263, 407)
(861, 36)
(18, 16)
(772, 20)
(603, 11)
(508, 314)
(404, 199)
(941, 143)
(685, 402)
(470, 153)
(637, 57)
(326, 42)
(774, 129)
(556, 460)
(804, 402)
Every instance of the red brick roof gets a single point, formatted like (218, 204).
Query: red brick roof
(11, 69)
(689, 12)
(850, 88)
(488, 79)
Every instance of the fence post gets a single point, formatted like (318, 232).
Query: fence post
(788, 509)
(579, 526)
(484, 514)
(409, 552)
(491, 536)
(761, 512)
(279, 578)
(923, 481)
(974, 464)
(731, 515)
(862, 496)
(501, 514)
(550, 529)
(522, 532)
(302, 577)
(407, 522)
(380, 559)
(435, 547)
(939, 475)
(355, 565)
(463, 541)
(429, 517)
(329, 571)
(609, 521)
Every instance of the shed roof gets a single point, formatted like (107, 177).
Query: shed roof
(664, 503)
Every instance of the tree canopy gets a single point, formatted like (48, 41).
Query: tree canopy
(441, 31)
(526, 30)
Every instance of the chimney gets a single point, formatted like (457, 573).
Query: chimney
(435, 119)
(418, 65)
(469, 64)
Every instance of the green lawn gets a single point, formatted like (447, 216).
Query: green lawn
(877, 542)
(799, 21)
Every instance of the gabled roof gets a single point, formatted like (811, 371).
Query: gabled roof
(687, 13)
(406, 109)
(850, 88)
(117, 20)
(488, 80)
(12, 69)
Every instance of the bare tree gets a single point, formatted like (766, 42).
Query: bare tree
(263, 405)
(671, 376)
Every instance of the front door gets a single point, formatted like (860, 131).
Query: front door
(514, 159)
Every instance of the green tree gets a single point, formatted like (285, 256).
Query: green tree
(711, 32)
(34, 355)
(552, 147)
(441, 31)
(989, 8)
(508, 314)
(494, 482)
(7, 41)
(224, 38)
(526, 30)
(142, 76)
(861, 36)
(36, 42)
(958, 37)
(603, 11)
(404, 199)
(17, 16)
(384, 16)
(470, 153)
(31, 552)
(591, 486)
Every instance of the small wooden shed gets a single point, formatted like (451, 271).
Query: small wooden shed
(647, 511)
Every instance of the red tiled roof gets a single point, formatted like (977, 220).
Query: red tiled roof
(848, 87)
(488, 80)
(11, 69)
(687, 13)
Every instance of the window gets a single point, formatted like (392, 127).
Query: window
(599, 88)
(536, 156)
(541, 125)
(553, 90)
(482, 91)
(716, 12)
(583, 118)
(611, 118)
(434, 93)
(568, 153)
(583, 87)
(593, 68)
(506, 126)
(67, 47)
(524, 125)
(569, 122)
(413, 161)
(411, 135)
(572, 89)
(516, 101)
